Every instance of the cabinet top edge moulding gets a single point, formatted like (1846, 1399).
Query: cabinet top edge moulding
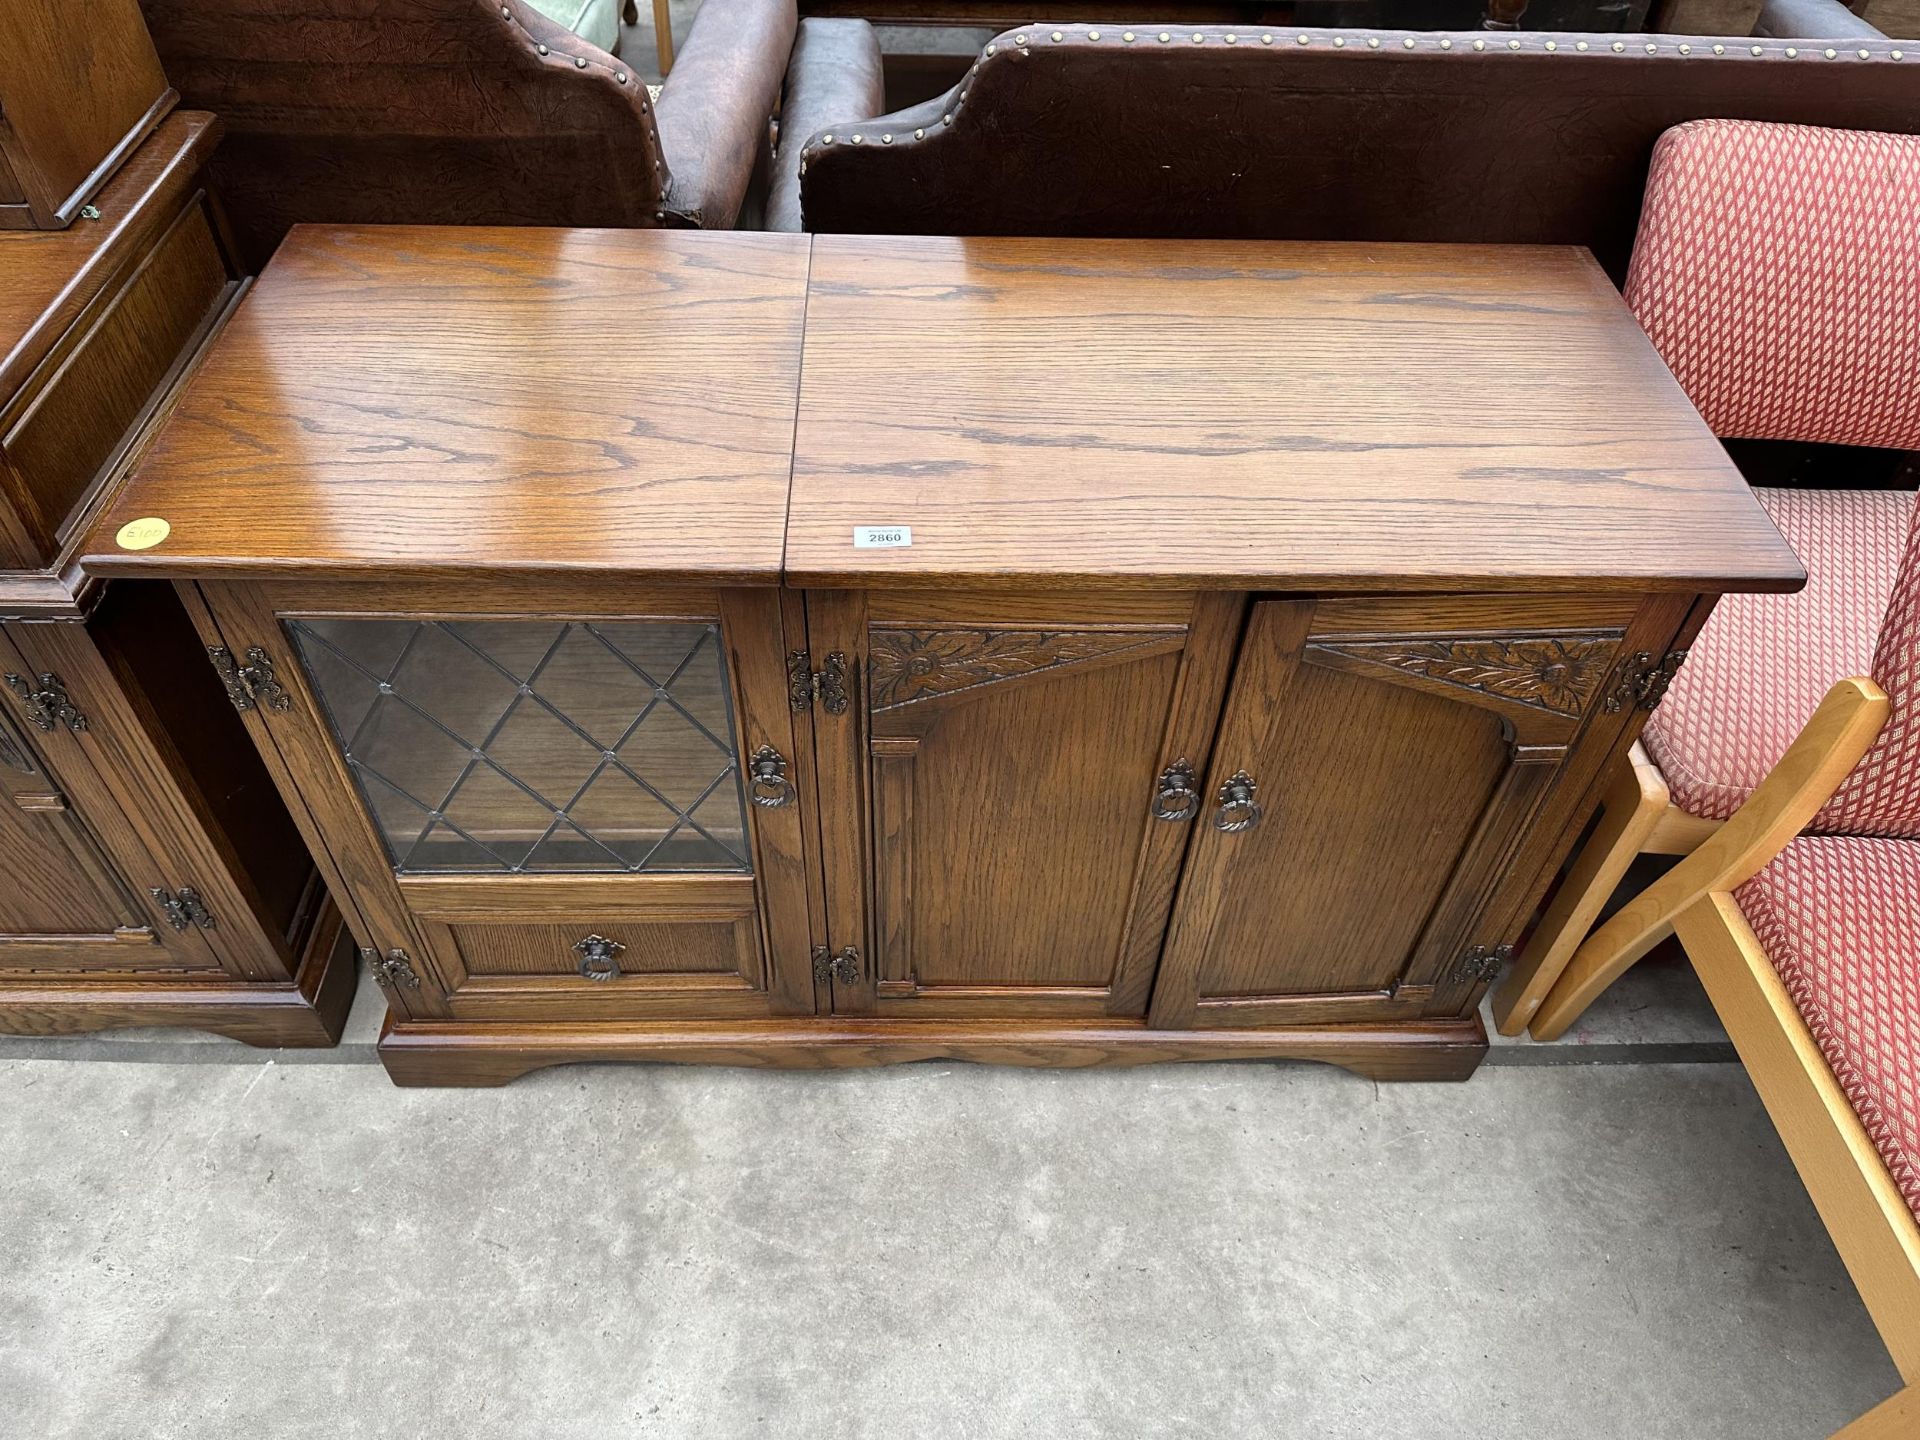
(1253, 415)
(410, 401)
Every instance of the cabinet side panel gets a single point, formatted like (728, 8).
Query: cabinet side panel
(149, 638)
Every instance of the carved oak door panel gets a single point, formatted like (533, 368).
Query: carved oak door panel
(73, 894)
(1381, 768)
(568, 803)
(989, 798)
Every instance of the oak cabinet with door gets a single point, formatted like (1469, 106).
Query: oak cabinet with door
(866, 825)
(149, 872)
(543, 818)
(1210, 660)
(152, 874)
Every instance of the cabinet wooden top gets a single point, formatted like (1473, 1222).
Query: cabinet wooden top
(1246, 415)
(1259, 415)
(420, 401)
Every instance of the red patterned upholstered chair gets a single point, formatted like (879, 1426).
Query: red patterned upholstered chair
(1777, 270)
(1799, 902)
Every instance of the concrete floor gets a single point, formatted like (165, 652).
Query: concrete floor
(198, 1239)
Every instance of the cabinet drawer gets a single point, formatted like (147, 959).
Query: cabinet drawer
(587, 946)
(614, 952)
(91, 393)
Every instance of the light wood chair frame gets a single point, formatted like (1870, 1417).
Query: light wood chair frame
(1861, 1206)
(1637, 817)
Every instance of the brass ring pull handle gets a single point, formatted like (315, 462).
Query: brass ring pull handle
(597, 957)
(767, 779)
(1238, 810)
(1175, 798)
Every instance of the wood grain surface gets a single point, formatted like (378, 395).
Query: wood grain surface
(449, 401)
(48, 277)
(80, 87)
(1252, 415)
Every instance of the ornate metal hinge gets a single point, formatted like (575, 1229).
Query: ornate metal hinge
(598, 957)
(828, 686)
(184, 908)
(392, 968)
(251, 683)
(844, 967)
(1642, 678)
(46, 705)
(1483, 963)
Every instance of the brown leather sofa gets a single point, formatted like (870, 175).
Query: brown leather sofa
(1324, 134)
(469, 112)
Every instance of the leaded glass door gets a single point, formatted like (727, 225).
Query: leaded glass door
(591, 810)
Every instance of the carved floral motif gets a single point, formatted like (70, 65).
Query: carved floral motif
(907, 666)
(1559, 674)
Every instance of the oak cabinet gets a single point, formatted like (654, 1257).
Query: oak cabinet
(1045, 652)
(152, 874)
(627, 809)
(149, 872)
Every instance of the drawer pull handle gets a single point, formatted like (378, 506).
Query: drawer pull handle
(597, 954)
(1238, 809)
(1176, 797)
(767, 772)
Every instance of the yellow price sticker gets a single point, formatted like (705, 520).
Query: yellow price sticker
(143, 534)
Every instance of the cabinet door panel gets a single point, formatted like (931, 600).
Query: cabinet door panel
(546, 813)
(1399, 755)
(1011, 771)
(65, 904)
